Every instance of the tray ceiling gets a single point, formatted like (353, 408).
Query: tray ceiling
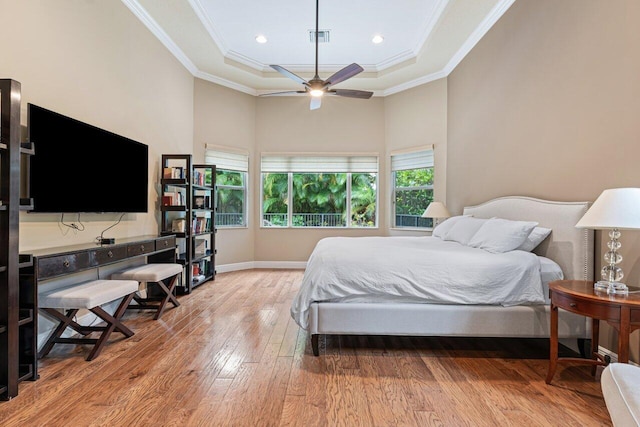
(215, 40)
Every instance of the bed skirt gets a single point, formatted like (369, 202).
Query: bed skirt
(442, 320)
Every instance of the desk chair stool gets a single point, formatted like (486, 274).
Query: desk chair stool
(165, 276)
(87, 295)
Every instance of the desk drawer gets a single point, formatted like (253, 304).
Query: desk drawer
(62, 264)
(108, 255)
(168, 242)
(587, 308)
(141, 248)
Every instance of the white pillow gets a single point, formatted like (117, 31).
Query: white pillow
(464, 229)
(534, 239)
(443, 228)
(501, 235)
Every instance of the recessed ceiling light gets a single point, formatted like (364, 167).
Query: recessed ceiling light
(261, 39)
(377, 39)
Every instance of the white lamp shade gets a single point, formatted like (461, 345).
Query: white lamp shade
(614, 208)
(436, 210)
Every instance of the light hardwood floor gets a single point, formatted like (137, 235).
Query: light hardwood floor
(232, 355)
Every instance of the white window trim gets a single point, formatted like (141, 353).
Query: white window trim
(408, 163)
(235, 160)
(290, 187)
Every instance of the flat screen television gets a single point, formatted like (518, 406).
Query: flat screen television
(78, 167)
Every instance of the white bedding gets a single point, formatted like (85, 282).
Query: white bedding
(419, 270)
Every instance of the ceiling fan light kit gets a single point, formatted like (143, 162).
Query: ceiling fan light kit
(316, 87)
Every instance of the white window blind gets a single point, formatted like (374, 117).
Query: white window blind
(226, 158)
(415, 159)
(316, 163)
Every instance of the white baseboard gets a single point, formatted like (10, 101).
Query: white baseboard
(612, 355)
(295, 265)
(225, 268)
(607, 352)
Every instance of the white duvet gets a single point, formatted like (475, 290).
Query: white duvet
(415, 269)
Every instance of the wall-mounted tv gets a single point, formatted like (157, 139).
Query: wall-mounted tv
(78, 167)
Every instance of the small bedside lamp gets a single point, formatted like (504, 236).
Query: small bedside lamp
(436, 210)
(615, 209)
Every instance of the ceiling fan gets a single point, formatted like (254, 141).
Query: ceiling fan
(316, 87)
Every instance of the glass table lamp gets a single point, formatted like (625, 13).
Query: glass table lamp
(614, 210)
(436, 210)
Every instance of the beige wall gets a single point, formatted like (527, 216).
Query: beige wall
(285, 124)
(418, 117)
(226, 117)
(95, 61)
(547, 105)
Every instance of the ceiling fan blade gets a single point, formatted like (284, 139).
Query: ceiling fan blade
(289, 74)
(350, 93)
(288, 92)
(344, 74)
(316, 102)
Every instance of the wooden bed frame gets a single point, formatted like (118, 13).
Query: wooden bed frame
(570, 247)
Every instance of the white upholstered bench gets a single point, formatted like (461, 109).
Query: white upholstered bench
(165, 276)
(87, 295)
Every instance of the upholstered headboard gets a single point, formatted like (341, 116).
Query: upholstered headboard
(571, 247)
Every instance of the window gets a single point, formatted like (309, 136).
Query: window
(305, 190)
(412, 183)
(231, 185)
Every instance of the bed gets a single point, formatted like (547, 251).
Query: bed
(327, 305)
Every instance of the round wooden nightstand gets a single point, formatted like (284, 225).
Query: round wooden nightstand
(578, 296)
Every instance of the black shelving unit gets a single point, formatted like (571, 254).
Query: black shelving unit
(187, 210)
(18, 299)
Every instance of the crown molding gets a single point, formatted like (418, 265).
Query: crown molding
(226, 83)
(208, 25)
(417, 82)
(245, 60)
(160, 34)
(482, 29)
(498, 10)
(431, 25)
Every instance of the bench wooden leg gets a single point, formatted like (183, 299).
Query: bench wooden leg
(169, 296)
(159, 302)
(113, 323)
(64, 322)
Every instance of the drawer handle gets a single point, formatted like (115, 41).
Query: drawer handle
(110, 254)
(573, 304)
(66, 263)
(166, 243)
(142, 247)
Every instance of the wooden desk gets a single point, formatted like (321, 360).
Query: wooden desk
(578, 296)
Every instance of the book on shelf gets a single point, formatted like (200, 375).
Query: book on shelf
(198, 177)
(200, 246)
(173, 198)
(201, 225)
(175, 172)
(204, 266)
